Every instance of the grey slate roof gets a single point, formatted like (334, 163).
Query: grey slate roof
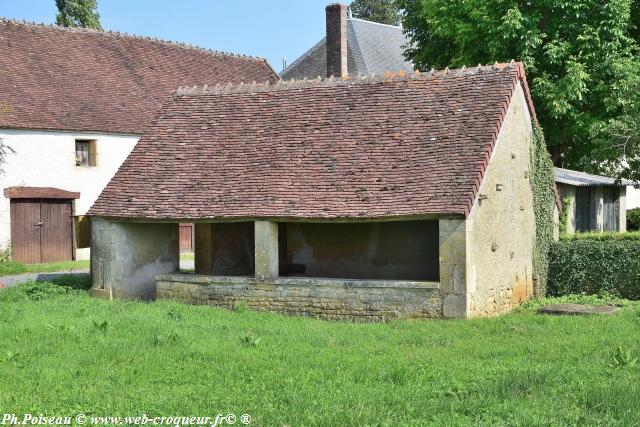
(372, 48)
(583, 179)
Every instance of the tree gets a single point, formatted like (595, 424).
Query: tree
(382, 11)
(78, 13)
(580, 58)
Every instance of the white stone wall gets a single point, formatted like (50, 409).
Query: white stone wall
(47, 159)
(633, 197)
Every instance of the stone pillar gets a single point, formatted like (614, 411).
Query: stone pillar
(622, 207)
(266, 249)
(127, 257)
(453, 267)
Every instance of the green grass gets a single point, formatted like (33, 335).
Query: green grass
(63, 352)
(186, 256)
(8, 268)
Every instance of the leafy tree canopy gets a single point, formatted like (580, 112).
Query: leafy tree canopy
(581, 61)
(78, 13)
(382, 11)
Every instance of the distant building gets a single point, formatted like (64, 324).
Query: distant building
(73, 104)
(352, 46)
(597, 203)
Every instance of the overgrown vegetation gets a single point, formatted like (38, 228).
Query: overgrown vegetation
(596, 263)
(64, 352)
(542, 182)
(633, 219)
(581, 58)
(563, 225)
(9, 267)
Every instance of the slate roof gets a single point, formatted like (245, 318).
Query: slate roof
(372, 48)
(583, 179)
(405, 146)
(80, 79)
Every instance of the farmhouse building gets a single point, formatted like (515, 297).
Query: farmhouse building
(374, 198)
(73, 104)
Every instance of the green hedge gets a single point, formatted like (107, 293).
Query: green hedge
(634, 235)
(633, 219)
(590, 264)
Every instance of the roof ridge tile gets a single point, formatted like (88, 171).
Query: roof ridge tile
(112, 33)
(332, 81)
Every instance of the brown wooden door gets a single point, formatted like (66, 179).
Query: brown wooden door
(41, 230)
(186, 237)
(25, 230)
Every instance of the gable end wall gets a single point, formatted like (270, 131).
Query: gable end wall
(501, 226)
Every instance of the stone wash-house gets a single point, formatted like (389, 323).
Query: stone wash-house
(365, 198)
(73, 104)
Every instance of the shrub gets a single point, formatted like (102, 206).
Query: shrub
(633, 219)
(596, 264)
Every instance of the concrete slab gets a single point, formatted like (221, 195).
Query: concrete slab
(578, 309)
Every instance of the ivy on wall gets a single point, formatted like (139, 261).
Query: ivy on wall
(542, 184)
(567, 202)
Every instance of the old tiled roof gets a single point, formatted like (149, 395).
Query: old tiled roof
(357, 148)
(581, 179)
(79, 79)
(372, 48)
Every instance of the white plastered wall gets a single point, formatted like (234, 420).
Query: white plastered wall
(47, 159)
(633, 197)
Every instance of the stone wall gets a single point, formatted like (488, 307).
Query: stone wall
(501, 226)
(336, 299)
(126, 257)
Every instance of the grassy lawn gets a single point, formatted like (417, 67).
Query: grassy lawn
(8, 268)
(63, 352)
(186, 256)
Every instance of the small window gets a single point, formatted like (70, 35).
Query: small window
(85, 152)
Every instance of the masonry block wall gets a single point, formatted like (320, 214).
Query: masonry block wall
(501, 225)
(127, 257)
(337, 299)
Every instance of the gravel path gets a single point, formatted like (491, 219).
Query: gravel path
(9, 281)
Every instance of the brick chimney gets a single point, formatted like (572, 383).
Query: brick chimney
(336, 40)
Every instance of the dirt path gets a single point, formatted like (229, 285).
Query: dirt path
(9, 281)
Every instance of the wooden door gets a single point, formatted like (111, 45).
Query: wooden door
(25, 230)
(41, 230)
(56, 231)
(186, 237)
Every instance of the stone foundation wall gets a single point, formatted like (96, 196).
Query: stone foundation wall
(337, 299)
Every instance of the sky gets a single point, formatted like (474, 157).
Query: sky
(270, 29)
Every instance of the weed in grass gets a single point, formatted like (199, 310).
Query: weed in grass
(250, 340)
(622, 358)
(101, 326)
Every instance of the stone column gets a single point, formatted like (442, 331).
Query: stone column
(622, 206)
(453, 267)
(266, 250)
(127, 257)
